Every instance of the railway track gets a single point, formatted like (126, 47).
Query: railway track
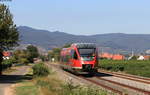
(102, 85)
(145, 92)
(91, 81)
(105, 83)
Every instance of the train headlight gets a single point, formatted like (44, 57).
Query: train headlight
(82, 59)
(82, 62)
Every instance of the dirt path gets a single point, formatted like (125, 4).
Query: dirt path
(7, 80)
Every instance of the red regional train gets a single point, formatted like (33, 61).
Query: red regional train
(80, 58)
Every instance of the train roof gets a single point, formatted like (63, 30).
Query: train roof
(84, 45)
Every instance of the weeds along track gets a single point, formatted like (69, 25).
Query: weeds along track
(102, 85)
(111, 85)
(88, 80)
(127, 76)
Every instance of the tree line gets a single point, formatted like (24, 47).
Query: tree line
(21, 57)
(55, 53)
(9, 36)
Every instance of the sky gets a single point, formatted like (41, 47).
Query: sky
(83, 17)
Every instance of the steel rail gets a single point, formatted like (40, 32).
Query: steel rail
(132, 76)
(126, 77)
(127, 86)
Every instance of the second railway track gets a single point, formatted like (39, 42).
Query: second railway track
(138, 90)
(129, 77)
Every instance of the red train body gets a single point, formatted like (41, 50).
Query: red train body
(80, 58)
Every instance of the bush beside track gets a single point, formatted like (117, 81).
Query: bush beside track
(7, 64)
(135, 67)
(40, 70)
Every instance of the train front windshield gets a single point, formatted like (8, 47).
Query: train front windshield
(87, 54)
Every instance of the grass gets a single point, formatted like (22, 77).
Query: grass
(27, 88)
(135, 67)
(9, 70)
(51, 85)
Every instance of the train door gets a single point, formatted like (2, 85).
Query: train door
(75, 59)
(97, 59)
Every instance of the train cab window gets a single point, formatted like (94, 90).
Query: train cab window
(75, 55)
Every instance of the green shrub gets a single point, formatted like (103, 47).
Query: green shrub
(141, 69)
(23, 61)
(118, 67)
(14, 60)
(7, 63)
(40, 70)
(113, 67)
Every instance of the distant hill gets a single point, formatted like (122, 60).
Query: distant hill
(116, 42)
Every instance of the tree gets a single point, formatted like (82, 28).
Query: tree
(21, 56)
(9, 35)
(67, 45)
(55, 53)
(134, 58)
(32, 52)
